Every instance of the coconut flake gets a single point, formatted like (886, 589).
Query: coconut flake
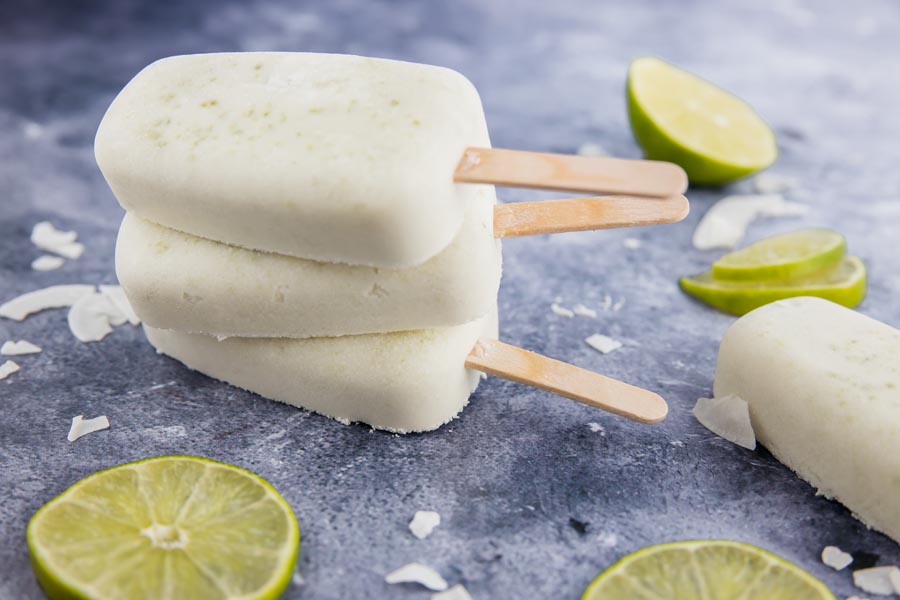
(618, 305)
(835, 558)
(81, 426)
(418, 573)
(56, 296)
(632, 243)
(725, 223)
(583, 311)
(457, 592)
(11, 348)
(47, 263)
(876, 580)
(47, 237)
(591, 149)
(597, 428)
(7, 369)
(423, 523)
(561, 311)
(117, 296)
(602, 343)
(728, 417)
(92, 316)
(773, 183)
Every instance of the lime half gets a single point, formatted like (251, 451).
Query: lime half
(677, 116)
(707, 569)
(166, 527)
(844, 284)
(783, 256)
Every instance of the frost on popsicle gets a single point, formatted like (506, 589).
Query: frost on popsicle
(418, 573)
(728, 417)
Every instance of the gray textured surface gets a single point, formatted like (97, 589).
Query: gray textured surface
(519, 472)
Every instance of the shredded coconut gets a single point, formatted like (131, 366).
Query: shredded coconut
(773, 183)
(7, 369)
(11, 348)
(418, 573)
(835, 558)
(725, 223)
(597, 428)
(92, 316)
(618, 305)
(81, 426)
(457, 592)
(423, 523)
(876, 580)
(632, 243)
(117, 296)
(602, 343)
(47, 237)
(583, 311)
(561, 311)
(728, 417)
(47, 263)
(56, 296)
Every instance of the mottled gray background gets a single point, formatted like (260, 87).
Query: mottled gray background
(533, 503)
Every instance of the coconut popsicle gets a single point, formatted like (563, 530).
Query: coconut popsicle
(178, 281)
(823, 387)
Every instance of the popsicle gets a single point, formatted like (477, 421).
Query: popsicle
(403, 381)
(823, 387)
(332, 158)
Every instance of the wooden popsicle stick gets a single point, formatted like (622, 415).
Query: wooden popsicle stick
(589, 174)
(510, 362)
(583, 214)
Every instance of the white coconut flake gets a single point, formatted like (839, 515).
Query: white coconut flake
(602, 343)
(561, 311)
(92, 316)
(81, 426)
(11, 348)
(835, 558)
(591, 149)
(632, 243)
(56, 296)
(117, 296)
(47, 237)
(47, 263)
(32, 130)
(583, 311)
(418, 573)
(457, 592)
(423, 523)
(773, 183)
(728, 417)
(876, 580)
(618, 305)
(7, 369)
(597, 428)
(725, 223)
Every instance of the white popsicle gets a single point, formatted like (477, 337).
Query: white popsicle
(402, 382)
(177, 281)
(327, 157)
(823, 386)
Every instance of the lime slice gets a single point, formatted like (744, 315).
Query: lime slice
(708, 569)
(844, 283)
(783, 256)
(165, 527)
(681, 118)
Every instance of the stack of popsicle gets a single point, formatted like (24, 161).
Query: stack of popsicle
(302, 226)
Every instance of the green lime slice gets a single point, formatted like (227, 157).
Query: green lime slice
(844, 283)
(676, 116)
(708, 569)
(783, 256)
(165, 527)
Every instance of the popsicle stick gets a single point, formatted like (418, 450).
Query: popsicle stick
(513, 363)
(589, 174)
(583, 214)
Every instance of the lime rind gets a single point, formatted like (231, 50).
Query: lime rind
(843, 284)
(59, 585)
(771, 571)
(664, 141)
(781, 257)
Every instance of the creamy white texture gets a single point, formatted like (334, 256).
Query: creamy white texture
(334, 158)
(823, 386)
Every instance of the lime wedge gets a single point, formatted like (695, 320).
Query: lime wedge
(783, 256)
(844, 283)
(677, 116)
(165, 527)
(708, 569)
